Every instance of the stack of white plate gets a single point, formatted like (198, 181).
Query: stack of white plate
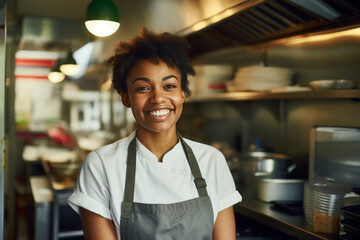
(259, 78)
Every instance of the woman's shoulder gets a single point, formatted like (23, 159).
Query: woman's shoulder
(115, 147)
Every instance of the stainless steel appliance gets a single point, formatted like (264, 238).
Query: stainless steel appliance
(335, 153)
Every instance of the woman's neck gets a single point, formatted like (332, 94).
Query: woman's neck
(158, 143)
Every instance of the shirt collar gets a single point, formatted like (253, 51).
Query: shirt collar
(170, 156)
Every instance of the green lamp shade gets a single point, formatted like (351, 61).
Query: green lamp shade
(102, 18)
(55, 75)
(69, 66)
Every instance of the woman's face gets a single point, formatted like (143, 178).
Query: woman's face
(154, 95)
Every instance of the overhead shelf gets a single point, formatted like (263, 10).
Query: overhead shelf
(249, 96)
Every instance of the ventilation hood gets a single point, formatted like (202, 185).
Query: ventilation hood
(50, 34)
(257, 21)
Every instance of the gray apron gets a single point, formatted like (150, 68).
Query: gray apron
(188, 220)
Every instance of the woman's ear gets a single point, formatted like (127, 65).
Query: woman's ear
(183, 96)
(125, 99)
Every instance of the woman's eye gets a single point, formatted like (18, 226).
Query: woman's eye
(140, 89)
(170, 86)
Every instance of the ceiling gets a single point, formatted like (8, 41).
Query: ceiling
(63, 9)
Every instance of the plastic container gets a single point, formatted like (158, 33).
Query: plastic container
(328, 199)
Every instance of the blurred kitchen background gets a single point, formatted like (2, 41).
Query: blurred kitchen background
(269, 74)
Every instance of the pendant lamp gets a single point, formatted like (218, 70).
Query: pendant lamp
(55, 75)
(69, 66)
(102, 18)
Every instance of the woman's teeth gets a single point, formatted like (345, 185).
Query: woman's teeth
(160, 112)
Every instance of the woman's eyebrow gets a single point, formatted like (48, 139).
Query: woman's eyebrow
(140, 79)
(148, 80)
(170, 76)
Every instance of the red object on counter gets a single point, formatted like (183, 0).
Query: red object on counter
(217, 86)
(59, 136)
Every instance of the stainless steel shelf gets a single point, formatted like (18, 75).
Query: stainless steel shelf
(291, 224)
(249, 96)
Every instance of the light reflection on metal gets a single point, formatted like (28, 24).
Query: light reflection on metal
(324, 37)
(200, 25)
(214, 14)
(222, 15)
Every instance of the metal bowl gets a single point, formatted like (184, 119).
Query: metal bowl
(65, 170)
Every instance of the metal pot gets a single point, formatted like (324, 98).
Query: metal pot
(253, 163)
(280, 189)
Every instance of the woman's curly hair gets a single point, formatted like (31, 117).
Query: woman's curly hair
(171, 49)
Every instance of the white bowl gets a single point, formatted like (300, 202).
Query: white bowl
(331, 84)
(344, 84)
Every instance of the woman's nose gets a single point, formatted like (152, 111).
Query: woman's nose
(158, 96)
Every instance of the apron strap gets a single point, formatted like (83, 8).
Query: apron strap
(200, 182)
(126, 205)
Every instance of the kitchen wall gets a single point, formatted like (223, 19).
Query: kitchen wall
(282, 125)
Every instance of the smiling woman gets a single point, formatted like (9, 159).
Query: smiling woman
(155, 184)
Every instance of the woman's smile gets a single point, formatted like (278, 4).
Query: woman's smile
(160, 113)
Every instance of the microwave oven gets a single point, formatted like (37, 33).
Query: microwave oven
(335, 154)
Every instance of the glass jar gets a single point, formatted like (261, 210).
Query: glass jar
(328, 199)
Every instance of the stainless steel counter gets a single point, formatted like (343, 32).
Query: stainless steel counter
(65, 222)
(291, 224)
(42, 199)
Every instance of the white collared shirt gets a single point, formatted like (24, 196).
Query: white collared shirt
(101, 181)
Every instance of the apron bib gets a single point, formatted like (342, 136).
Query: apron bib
(191, 219)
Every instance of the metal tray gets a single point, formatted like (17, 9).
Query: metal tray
(352, 212)
(351, 227)
(349, 236)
